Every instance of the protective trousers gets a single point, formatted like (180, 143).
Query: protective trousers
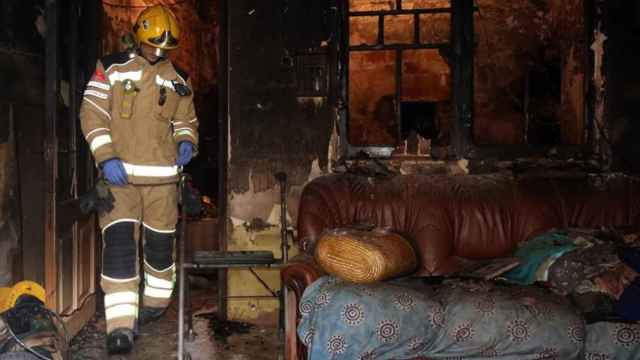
(150, 211)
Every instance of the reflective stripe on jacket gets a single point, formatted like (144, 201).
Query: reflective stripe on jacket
(135, 125)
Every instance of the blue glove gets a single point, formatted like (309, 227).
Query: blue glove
(114, 171)
(185, 152)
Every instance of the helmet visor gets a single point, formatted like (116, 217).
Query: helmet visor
(165, 41)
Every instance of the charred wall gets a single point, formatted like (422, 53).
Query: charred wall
(529, 72)
(21, 108)
(275, 122)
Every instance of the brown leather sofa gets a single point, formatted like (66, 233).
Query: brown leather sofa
(452, 219)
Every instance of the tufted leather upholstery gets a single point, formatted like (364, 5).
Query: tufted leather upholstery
(468, 217)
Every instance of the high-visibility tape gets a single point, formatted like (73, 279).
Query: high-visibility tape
(99, 85)
(164, 82)
(119, 281)
(150, 171)
(98, 107)
(96, 93)
(118, 221)
(183, 131)
(181, 78)
(157, 283)
(157, 293)
(120, 311)
(194, 120)
(99, 141)
(96, 130)
(123, 64)
(158, 230)
(121, 297)
(122, 76)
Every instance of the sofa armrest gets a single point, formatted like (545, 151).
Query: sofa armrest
(300, 272)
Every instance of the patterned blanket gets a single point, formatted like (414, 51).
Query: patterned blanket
(458, 319)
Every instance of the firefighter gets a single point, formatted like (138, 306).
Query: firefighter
(139, 120)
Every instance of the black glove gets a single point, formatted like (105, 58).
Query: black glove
(99, 199)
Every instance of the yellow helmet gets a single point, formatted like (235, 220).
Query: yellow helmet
(157, 26)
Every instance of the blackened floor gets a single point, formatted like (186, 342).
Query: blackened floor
(215, 340)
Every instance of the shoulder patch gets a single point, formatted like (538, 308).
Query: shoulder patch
(183, 74)
(115, 58)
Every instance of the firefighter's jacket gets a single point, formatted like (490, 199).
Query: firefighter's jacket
(131, 110)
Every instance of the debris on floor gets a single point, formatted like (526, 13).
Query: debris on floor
(214, 339)
(222, 329)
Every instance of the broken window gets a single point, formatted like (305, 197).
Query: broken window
(398, 83)
(522, 80)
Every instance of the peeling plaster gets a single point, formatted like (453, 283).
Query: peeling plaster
(333, 151)
(316, 171)
(250, 204)
(599, 81)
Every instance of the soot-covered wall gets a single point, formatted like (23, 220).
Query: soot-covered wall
(21, 119)
(274, 123)
(534, 45)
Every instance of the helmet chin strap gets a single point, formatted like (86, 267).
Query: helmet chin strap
(162, 53)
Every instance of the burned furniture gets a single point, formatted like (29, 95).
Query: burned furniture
(454, 219)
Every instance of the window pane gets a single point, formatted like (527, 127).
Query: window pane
(398, 29)
(435, 28)
(363, 30)
(425, 76)
(371, 5)
(372, 108)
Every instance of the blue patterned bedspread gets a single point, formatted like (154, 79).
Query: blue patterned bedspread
(407, 318)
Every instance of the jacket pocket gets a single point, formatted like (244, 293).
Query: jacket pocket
(166, 108)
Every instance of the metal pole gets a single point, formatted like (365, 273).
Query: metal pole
(282, 179)
(181, 268)
(224, 39)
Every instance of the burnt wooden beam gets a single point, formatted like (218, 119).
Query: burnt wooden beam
(590, 19)
(463, 59)
(50, 151)
(343, 74)
(29, 135)
(74, 86)
(223, 143)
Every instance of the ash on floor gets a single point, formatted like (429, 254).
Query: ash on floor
(215, 340)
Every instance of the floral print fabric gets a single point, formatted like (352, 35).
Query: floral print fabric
(458, 319)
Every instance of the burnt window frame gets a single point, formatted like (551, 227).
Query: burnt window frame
(345, 49)
(460, 55)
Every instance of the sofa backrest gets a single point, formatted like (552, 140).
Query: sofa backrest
(453, 219)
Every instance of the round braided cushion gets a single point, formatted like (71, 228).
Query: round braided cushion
(365, 256)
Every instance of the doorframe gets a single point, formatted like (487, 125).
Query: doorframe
(51, 245)
(223, 144)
